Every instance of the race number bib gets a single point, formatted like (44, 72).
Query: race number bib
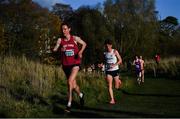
(108, 65)
(69, 52)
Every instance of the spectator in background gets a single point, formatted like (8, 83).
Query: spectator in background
(102, 68)
(157, 58)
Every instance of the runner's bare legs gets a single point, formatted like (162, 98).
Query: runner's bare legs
(109, 81)
(72, 83)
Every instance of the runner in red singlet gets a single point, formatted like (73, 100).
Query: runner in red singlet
(71, 60)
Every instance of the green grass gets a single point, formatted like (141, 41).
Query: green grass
(155, 96)
(167, 67)
(32, 89)
(155, 86)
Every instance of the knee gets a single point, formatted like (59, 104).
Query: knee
(117, 86)
(110, 86)
(70, 83)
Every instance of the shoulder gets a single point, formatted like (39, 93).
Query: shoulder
(115, 51)
(76, 38)
(143, 61)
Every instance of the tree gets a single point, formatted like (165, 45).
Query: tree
(90, 25)
(28, 27)
(133, 25)
(169, 36)
(2, 39)
(168, 25)
(64, 12)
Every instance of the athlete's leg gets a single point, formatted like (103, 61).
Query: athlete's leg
(109, 79)
(117, 82)
(142, 76)
(76, 87)
(71, 82)
(80, 94)
(138, 74)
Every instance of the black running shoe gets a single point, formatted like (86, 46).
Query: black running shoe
(82, 100)
(68, 109)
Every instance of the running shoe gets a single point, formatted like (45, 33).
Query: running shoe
(68, 109)
(82, 100)
(112, 102)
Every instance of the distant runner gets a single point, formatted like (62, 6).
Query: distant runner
(142, 69)
(137, 64)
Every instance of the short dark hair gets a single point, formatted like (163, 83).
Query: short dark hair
(108, 41)
(66, 23)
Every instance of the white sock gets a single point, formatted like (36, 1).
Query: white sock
(69, 104)
(81, 95)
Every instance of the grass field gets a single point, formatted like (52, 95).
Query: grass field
(152, 99)
(30, 89)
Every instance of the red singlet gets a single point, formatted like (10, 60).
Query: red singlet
(69, 52)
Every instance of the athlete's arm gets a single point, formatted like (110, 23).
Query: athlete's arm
(133, 62)
(57, 45)
(118, 58)
(142, 64)
(80, 41)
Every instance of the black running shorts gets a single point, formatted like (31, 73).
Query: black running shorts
(113, 73)
(68, 69)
